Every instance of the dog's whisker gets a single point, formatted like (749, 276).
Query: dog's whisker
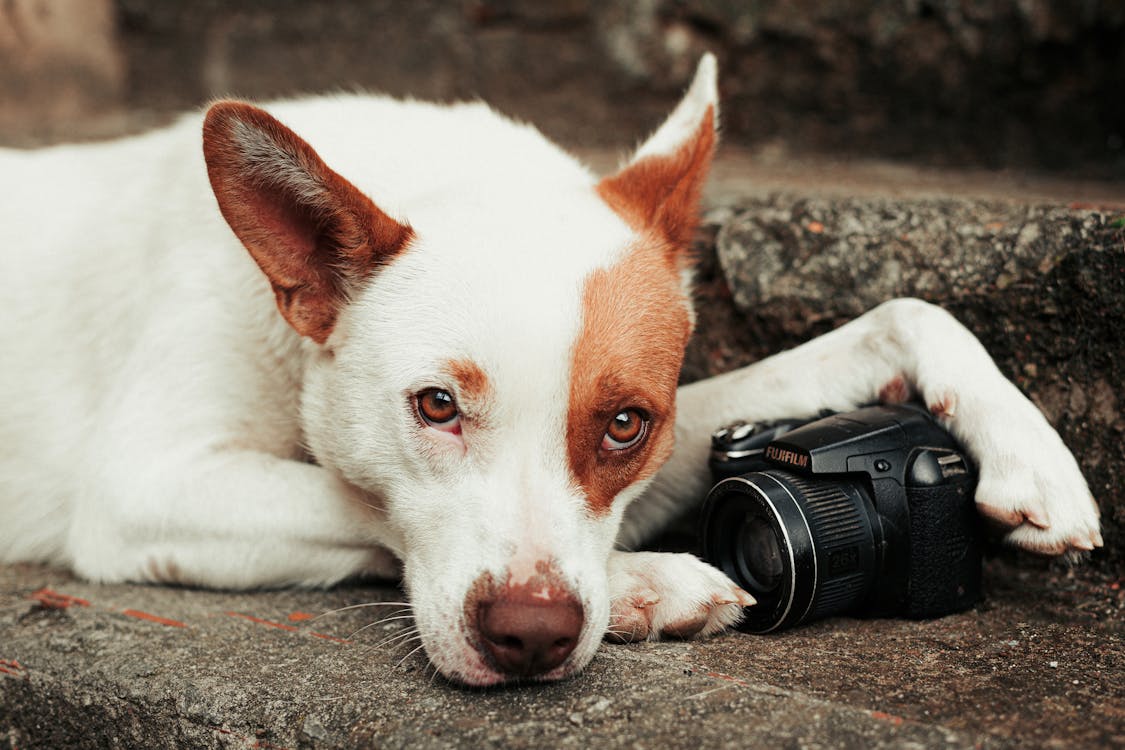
(405, 636)
(403, 659)
(391, 648)
(360, 606)
(370, 625)
(397, 616)
(629, 634)
(395, 640)
(379, 622)
(392, 618)
(362, 628)
(375, 508)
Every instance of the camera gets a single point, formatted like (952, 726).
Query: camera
(868, 513)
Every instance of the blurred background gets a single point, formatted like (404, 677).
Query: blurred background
(1028, 84)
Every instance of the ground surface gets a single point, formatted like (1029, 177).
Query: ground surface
(1038, 664)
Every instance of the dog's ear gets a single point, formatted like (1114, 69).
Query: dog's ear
(313, 233)
(660, 187)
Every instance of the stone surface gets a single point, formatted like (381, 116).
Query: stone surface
(1042, 286)
(992, 82)
(61, 64)
(1039, 664)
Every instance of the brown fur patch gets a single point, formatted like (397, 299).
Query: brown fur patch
(636, 321)
(662, 193)
(473, 391)
(628, 355)
(313, 233)
(471, 380)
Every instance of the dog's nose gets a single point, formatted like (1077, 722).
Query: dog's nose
(527, 633)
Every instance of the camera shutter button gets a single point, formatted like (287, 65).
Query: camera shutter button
(882, 465)
(724, 438)
(741, 431)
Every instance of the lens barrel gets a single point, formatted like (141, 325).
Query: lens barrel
(803, 547)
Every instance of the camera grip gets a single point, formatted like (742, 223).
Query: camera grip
(946, 548)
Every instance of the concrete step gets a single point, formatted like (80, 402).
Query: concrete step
(85, 665)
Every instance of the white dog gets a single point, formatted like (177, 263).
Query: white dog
(458, 353)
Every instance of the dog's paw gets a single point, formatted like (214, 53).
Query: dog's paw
(1041, 503)
(657, 594)
(1030, 485)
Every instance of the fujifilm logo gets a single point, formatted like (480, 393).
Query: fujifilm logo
(781, 455)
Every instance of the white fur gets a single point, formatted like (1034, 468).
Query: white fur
(159, 413)
(684, 120)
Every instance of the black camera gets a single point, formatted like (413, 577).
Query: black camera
(868, 513)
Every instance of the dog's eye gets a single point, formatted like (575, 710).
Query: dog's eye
(625, 430)
(438, 409)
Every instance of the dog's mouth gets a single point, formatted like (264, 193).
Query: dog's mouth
(466, 661)
(479, 666)
(480, 673)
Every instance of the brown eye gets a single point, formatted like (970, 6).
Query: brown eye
(625, 430)
(438, 409)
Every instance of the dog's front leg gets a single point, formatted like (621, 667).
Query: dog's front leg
(1029, 483)
(237, 519)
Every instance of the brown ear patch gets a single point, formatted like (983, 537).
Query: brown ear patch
(313, 233)
(636, 323)
(662, 193)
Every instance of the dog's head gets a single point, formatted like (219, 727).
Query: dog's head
(499, 373)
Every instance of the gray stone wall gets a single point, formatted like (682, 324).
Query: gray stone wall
(989, 82)
(1042, 286)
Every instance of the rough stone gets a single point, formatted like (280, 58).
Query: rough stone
(1042, 286)
(60, 63)
(99, 666)
(993, 82)
(818, 257)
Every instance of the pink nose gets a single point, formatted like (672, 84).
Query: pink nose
(526, 636)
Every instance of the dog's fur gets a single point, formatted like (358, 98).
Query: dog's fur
(161, 421)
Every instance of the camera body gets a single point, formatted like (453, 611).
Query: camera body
(868, 513)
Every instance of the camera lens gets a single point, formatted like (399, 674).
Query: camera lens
(805, 548)
(761, 566)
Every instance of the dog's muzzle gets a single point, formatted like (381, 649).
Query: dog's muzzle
(526, 629)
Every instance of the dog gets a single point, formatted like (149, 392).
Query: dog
(454, 360)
